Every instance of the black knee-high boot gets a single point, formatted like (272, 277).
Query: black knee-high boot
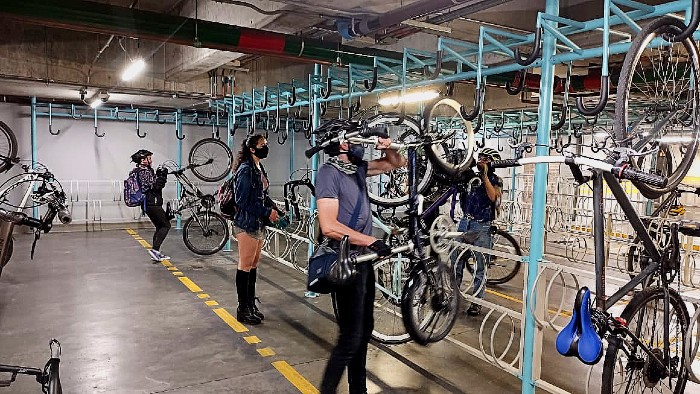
(251, 293)
(244, 313)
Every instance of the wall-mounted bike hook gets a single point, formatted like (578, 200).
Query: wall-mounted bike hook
(51, 125)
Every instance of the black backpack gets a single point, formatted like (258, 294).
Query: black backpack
(227, 198)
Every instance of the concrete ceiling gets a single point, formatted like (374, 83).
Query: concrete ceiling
(54, 64)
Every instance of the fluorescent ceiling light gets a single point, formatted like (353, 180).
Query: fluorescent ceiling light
(676, 138)
(414, 97)
(132, 70)
(95, 102)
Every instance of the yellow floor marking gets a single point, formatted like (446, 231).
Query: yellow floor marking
(191, 285)
(203, 295)
(252, 339)
(130, 231)
(211, 303)
(177, 273)
(145, 244)
(230, 320)
(519, 301)
(295, 378)
(172, 268)
(166, 263)
(266, 352)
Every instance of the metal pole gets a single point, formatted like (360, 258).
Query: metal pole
(178, 130)
(315, 122)
(35, 209)
(229, 141)
(532, 338)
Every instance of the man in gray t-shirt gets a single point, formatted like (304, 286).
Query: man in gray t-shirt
(341, 193)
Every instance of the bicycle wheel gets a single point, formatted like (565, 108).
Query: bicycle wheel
(390, 275)
(8, 147)
(453, 149)
(52, 382)
(391, 189)
(501, 269)
(627, 368)
(657, 104)
(429, 310)
(220, 156)
(205, 233)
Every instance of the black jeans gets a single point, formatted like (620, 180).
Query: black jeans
(159, 219)
(355, 304)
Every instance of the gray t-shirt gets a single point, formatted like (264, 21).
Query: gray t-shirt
(332, 183)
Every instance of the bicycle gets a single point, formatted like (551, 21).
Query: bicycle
(38, 187)
(48, 377)
(637, 348)
(428, 301)
(205, 232)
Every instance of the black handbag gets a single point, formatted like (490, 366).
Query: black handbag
(329, 270)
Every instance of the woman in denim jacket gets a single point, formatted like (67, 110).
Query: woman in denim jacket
(251, 184)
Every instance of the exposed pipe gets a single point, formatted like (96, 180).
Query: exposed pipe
(99, 53)
(101, 18)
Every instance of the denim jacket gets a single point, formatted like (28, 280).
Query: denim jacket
(250, 197)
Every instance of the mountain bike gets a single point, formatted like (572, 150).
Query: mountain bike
(33, 188)
(646, 342)
(205, 232)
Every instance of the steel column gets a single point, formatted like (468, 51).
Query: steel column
(178, 130)
(35, 209)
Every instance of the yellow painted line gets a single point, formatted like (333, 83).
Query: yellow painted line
(178, 273)
(203, 295)
(295, 378)
(211, 303)
(252, 339)
(191, 285)
(172, 268)
(145, 244)
(267, 352)
(519, 301)
(130, 231)
(230, 320)
(166, 263)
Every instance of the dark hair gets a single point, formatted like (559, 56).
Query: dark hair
(244, 154)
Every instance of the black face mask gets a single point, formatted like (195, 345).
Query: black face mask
(262, 153)
(355, 153)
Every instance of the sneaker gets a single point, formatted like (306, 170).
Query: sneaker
(311, 294)
(154, 255)
(474, 310)
(162, 256)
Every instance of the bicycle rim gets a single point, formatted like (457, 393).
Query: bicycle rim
(215, 150)
(657, 104)
(501, 269)
(391, 189)
(205, 234)
(429, 317)
(453, 149)
(390, 275)
(8, 146)
(627, 368)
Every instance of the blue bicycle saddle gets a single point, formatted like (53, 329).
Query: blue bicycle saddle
(579, 338)
(567, 340)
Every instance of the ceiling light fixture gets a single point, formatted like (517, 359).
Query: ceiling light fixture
(407, 98)
(98, 99)
(135, 68)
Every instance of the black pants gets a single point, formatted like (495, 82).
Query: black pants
(356, 321)
(159, 219)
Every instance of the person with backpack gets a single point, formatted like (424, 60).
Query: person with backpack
(151, 184)
(254, 210)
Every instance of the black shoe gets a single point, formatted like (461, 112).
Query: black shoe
(245, 315)
(254, 309)
(474, 310)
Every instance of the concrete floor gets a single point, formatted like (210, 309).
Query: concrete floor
(130, 326)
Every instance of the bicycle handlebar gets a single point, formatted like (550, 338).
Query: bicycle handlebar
(373, 256)
(621, 172)
(379, 131)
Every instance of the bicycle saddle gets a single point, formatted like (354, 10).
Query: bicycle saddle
(579, 338)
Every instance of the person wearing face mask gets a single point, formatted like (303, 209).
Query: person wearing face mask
(344, 209)
(254, 209)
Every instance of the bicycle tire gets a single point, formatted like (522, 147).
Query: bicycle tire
(390, 275)
(53, 379)
(216, 150)
(390, 196)
(212, 239)
(648, 376)
(452, 162)
(500, 269)
(418, 294)
(630, 79)
(8, 256)
(8, 146)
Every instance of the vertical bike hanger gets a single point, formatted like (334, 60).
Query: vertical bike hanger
(520, 78)
(179, 137)
(604, 80)
(138, 132)
(215, 126)
(50, 125)
(370, 86)
(277, 112)
(96, 130)
(565, 105)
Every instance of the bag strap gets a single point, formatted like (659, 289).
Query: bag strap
(356, 213)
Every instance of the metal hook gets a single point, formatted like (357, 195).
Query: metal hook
(370, 86)
(449, 89)
(498, 127)
(196, 119)
(514, 91)
(50, 124)
(291, 100)
(353, 108)
(96, 129)
(138, 132)
(479, 121)
(324, 108)
(158, 118)
(478, 94)
(73, 114)
(499, 146)
(176, 129)
(602, 101)
(325, 93)
(562, 118)
(535, 51)
(578, 130)
(438, 67)
(265, 98)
